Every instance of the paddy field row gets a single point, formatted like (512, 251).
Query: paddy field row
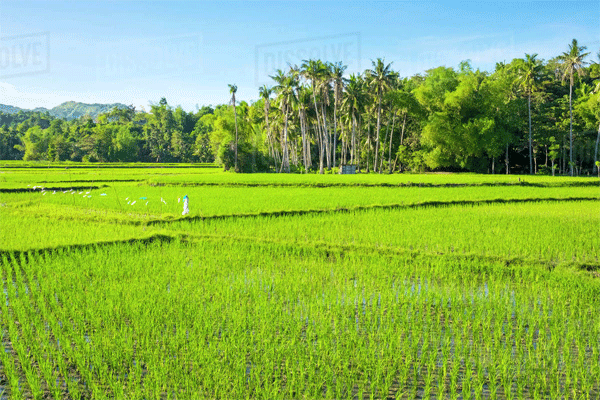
(278, 287)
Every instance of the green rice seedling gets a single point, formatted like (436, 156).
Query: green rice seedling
(388, 306)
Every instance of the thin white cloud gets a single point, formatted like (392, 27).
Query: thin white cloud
(14, 96)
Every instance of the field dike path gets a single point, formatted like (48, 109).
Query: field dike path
(398, 206)
(57, 188)
(328, 249)
(381, 184)
(99, 215)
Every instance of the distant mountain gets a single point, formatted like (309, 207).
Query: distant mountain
(10, 109)
(68, 110)
(72, 110)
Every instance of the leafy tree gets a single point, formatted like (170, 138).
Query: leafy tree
(35, 144)
(124, 144)
(202, 147)
(405, 104)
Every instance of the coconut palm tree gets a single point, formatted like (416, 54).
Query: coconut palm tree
(303, 104)
(353, 105)
(325, 79)
(379, 79)
(337, 70)
(286, 84)
(529, 73)
(233, 90)
(572, 63)
(265, 93)
(313, 70)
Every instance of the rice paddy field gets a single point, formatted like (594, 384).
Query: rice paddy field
(434, 286)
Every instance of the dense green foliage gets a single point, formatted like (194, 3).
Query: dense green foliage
(296, 286)
(526, 116)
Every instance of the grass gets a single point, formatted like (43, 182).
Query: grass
(298, 286)
(553, 232)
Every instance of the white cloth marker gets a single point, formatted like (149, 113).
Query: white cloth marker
(186, 208)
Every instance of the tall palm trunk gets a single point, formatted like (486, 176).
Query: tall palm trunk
(236, 135)
(596, 150)
(333, 149)
(391, 140)
(506, 160)
(564, 156)
(326, 136)
(378, 127)
(305, 145)
(530, 140)
(357, 144)
(344, 144)
(571, 127)
(268, 131)
(387, 135)
(319, 134)
(368, 144)
(353, 145)
(403, 126)
(304, 141)
(308, 153)
(285, 162)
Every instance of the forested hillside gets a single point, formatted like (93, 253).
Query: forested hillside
(68, 110)
(527, 116)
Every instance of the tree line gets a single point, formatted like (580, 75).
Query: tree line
(527, 116)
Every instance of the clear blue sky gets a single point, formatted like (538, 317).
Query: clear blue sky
(137, 52)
